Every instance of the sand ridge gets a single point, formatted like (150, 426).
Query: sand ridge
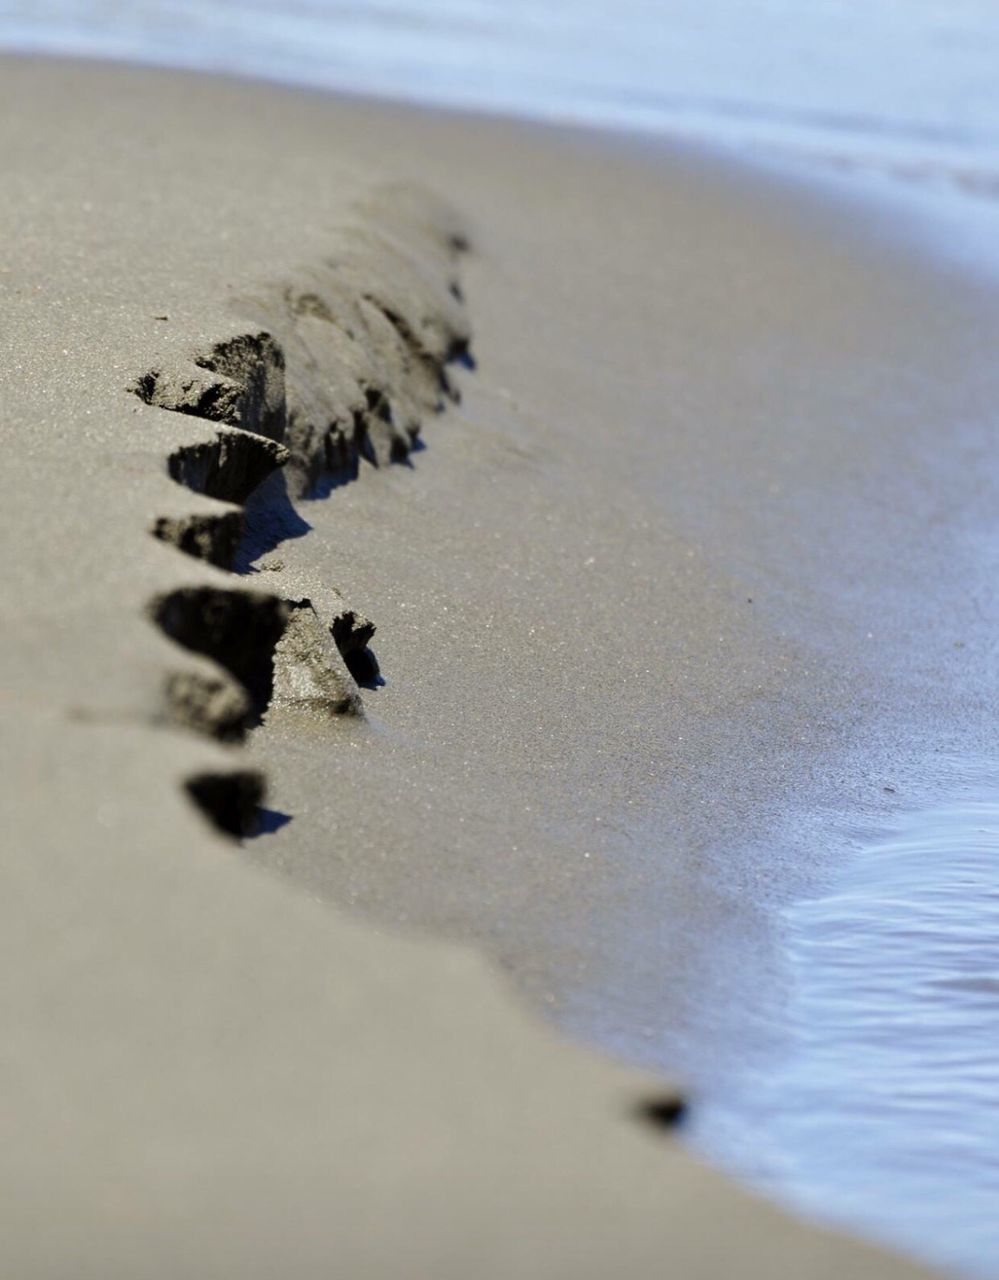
(355, 354)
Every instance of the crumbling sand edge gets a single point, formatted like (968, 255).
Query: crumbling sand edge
(337, 368)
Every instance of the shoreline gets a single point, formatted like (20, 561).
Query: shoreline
(846, 132)
(888, 1035)
(612, 372)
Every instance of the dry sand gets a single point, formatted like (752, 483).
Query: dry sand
(695, 563)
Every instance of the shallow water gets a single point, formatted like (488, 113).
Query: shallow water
(880, 1110)
(910, 84)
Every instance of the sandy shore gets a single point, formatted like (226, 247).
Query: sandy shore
(692, 561)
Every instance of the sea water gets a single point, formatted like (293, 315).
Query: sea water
(878, 1109)
(911, 83)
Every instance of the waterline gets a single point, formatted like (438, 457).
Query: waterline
(882, 1114)
(885, 84)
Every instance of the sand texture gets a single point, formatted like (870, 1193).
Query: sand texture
(545, 716)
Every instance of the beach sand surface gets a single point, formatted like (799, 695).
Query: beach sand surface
(693, 560)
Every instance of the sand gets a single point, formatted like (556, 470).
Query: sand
(690, 571)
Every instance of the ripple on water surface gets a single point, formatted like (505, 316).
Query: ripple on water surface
(883, 1112)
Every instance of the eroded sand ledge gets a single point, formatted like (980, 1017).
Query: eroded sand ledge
(354, 354)
(209, 1073)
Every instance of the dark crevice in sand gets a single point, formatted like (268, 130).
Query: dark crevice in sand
(352, 633)
(230, 467)
(230, 801)
(272, 651)
(336, 370)
(211, 703)
(215, 538)
(237, 629)
(666, 1113)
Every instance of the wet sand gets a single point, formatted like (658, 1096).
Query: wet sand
(645, 605)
